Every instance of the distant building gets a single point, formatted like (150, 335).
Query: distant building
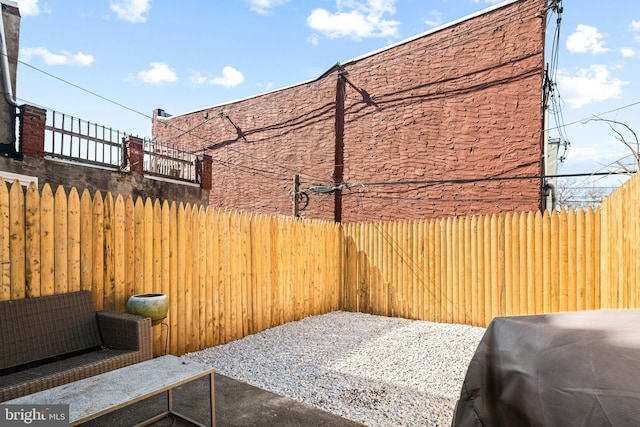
(428, 127)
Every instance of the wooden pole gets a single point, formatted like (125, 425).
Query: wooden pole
(296, 199)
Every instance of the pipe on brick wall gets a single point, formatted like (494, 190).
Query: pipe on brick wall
(8, 94)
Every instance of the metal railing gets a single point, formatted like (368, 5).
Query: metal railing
(169, 161)
(70, 138)
(77, 140)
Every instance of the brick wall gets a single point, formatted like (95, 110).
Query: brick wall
(454, 105)
(258, 144)
(32, 131)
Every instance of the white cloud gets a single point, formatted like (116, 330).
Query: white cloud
(356, 19)
(434, 19)
(488, 1)
(131, 10)
(314, 39)
(586, 39)
(635, 27)
(158, 73)
(266, 87)
(197, 78)
(628, 52)
(62, 58)
(603, 154)
(264, 7)
(28, 7)
(230, 78)
(589, 85)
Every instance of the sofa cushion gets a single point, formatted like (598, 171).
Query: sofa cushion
(64, 371)
(34, 329)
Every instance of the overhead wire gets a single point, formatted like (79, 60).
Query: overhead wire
(401, 58)
(586, 119)
(515, 15)
(262, 172)
(461, 180)
(555, 103)
(489, 25)
(456, 39)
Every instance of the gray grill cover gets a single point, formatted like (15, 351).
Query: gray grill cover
(563, 369)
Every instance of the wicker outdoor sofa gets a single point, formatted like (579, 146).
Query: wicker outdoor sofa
(54, 340)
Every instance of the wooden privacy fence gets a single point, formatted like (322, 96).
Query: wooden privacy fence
(470, 270)
(620, 260)
(227, 274)
(230, 274)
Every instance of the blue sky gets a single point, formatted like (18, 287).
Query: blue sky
(112, 62)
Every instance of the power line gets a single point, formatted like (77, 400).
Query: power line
(328, 189)
(583, 121)
(473, 31)
(470, 180)
(484, 26)
(262, 172)
(81, 88)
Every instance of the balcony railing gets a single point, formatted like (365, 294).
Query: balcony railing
(169, 161)
(70, 138)
(77, 140)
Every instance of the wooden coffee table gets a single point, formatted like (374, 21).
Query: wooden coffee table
(101, 394)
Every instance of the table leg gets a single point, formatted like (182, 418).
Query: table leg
(213, 400)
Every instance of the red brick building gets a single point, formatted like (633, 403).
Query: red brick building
(420, 129)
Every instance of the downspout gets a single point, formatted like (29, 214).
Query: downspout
(8, 94)
(550, 190)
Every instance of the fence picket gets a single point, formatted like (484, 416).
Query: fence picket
(129, 247)
(61, 284)
(5, 253)
(109, 288)
(47, 242)
(86, 241)
(16, 240)
(119, 255)
(73, 240)
(32, 235)
(181, 305)
(97, 288)
(173, 279)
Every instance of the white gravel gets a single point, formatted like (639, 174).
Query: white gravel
(375, 370)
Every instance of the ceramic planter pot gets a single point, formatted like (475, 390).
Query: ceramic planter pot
(154, 306)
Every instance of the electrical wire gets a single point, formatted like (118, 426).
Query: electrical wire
(460, 181)
(555, 104)
(262, 172)
(473, 31)
(402, 58)
(587, 119)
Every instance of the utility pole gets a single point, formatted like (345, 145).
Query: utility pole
(296, 200)
(338, 165)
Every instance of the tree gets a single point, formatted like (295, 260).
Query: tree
(574, 193)
(582, 193)
(634, 146)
